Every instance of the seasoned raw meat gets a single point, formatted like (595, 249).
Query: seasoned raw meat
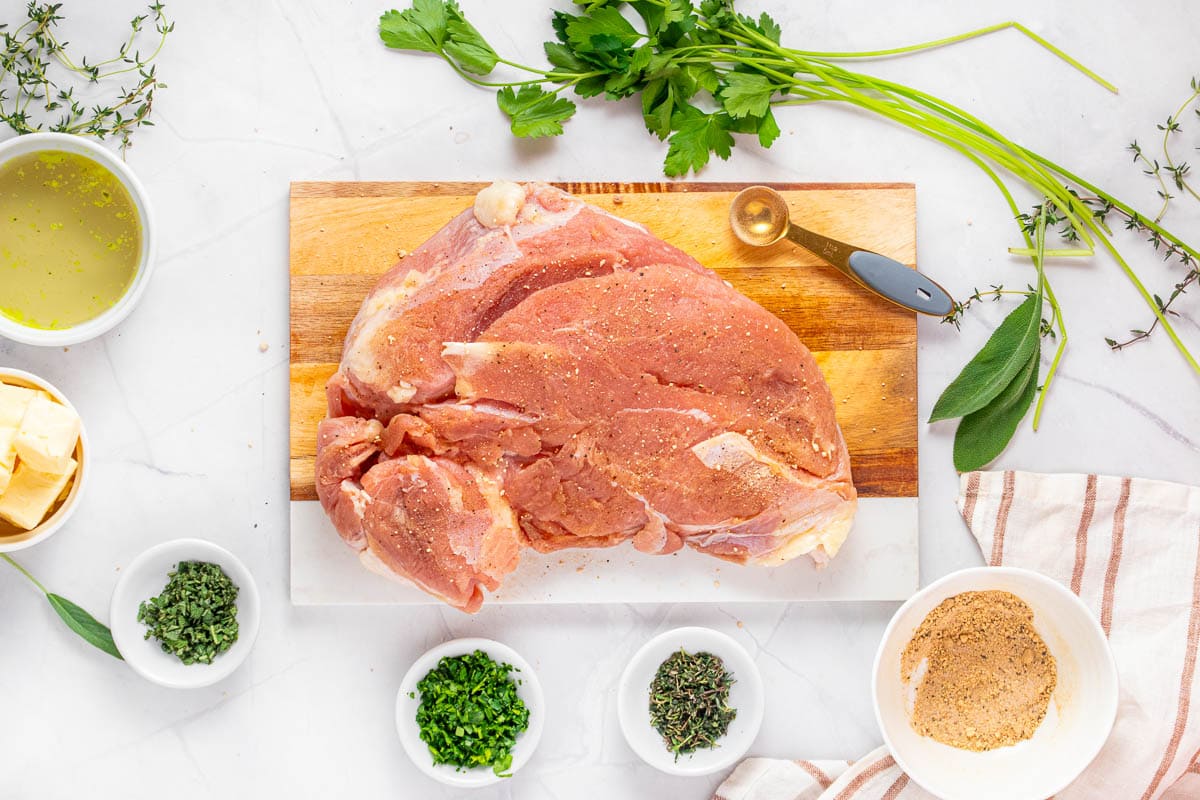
(541, 373)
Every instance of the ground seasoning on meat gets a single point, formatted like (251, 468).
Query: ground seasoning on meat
(983, 675)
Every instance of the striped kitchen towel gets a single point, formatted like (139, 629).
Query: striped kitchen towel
(1130, 548)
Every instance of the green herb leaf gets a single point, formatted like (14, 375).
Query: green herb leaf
(562, 57)
(438, 26)
(534, 112)
(696, 136)
(195, 616)
(600, 30)
(769, 27)
(995, 366)
(467, 46)
(75, 617)
(470, 713)
(768, 130)
(422, 27)
(982, 435)
(88, 627)
(746, 94)
(658, 102)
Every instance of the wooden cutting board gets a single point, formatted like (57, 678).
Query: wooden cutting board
(344, 235)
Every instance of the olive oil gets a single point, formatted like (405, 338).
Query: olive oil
(70, 239)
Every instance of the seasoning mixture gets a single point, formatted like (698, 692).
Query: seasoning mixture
(470, 713)
(689, 701)
(195, 617)
(70, 239)
(983, 675)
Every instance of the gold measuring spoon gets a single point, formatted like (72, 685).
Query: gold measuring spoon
(759, 216)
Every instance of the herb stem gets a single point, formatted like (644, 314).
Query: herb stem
(24, 572)
(962, 37)
(1170, 128)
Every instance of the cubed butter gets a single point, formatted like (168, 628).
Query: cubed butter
(31, 493)
(47, 435)
(14, 400)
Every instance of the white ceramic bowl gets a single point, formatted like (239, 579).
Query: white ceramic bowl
(746, 695)
(1079, 719)
(88, 329)
(529, 690)
(83, 456)
(146, 577)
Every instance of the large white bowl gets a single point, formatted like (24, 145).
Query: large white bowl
(88, 329)
(1077, 724)
(529, 689)
(146, 577)
(83, 456)
(746, 696)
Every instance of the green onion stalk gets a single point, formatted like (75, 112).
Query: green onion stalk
(687, 50)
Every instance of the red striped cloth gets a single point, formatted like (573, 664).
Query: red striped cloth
(1130, 548)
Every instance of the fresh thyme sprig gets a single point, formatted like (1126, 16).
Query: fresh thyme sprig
(39, 78)
(1177, 175)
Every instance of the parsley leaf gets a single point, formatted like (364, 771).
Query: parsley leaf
(534, 112)
(768, 129)
(466, 45)
(561, 56)
(603, 29)
(768, 27)
(696, 136)
(438, 26)
(659, 15)
(422, 27)
(746, 94)
(631, 79)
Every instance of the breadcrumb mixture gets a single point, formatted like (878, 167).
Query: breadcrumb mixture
(987, 675)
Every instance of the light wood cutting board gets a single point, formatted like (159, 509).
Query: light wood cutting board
(344, 235)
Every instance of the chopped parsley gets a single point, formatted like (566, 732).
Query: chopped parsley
(470, 713)
(195, 617)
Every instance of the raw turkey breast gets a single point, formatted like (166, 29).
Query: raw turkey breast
(541, 374)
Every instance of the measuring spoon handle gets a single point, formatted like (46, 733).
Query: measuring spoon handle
(884, 276)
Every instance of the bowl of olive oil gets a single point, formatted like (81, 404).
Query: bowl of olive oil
(76, 244)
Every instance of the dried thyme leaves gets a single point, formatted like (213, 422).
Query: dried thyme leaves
(195, 617)
(689, 701)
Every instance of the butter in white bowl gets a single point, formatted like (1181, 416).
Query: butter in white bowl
(39, 439)
(13, 402)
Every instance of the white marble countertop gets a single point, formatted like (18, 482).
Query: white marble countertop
(188, 415)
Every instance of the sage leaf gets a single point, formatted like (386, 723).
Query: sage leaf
(88, 627)
(994, 367)
(982, 435)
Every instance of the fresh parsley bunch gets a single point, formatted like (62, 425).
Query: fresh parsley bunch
(706, 74)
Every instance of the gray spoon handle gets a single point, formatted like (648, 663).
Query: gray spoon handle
(884, 276)
(903, 286)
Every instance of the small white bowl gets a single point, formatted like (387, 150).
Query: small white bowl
(88, 329)
(83, 456)
(1077, 724)
(746, 696)
(529, 689)
(146, 577)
